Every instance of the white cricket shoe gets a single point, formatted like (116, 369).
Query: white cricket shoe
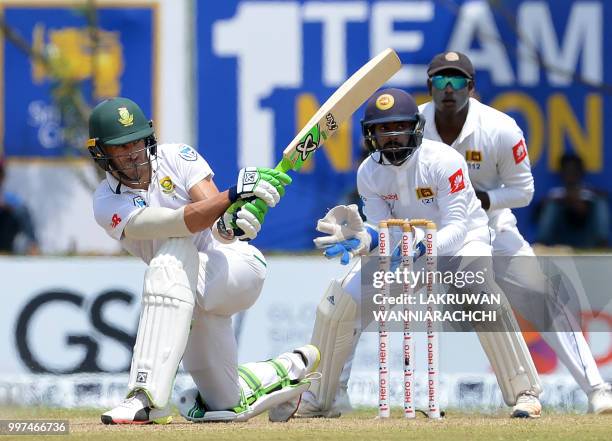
(309, 407)
(600, 400)
(527, 406)
(137, 410)
(311, 356)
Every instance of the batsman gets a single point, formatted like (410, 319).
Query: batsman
(161, 203)
(407, 177)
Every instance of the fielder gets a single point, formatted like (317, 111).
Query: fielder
(408, 177)
(161, 203)
(498, 163)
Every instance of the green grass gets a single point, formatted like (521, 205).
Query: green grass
(359, 425)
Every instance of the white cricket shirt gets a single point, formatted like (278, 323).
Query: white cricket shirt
(177, 169)
(496, 153)
(432, 184)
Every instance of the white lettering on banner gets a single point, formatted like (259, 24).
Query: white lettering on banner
(583, 35)
(267, 39)
(334, 17)
(476, 22)
(272, 56)
(383, 34)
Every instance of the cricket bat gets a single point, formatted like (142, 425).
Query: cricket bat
(338, 108)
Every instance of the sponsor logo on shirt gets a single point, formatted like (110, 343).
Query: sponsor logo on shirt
(167, 185)
(390, 197)
(425, 195)
(519, 151)
(115, 220)
(457, 182)
(188, 153)
(139, 201)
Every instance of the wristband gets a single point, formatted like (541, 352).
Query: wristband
(233, 194)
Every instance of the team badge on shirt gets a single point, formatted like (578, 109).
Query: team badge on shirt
(519, 151)
(188, 153)
(425, 195)
(139, 201)
(473, 159)
(457, 182)
(473, 156)
(167, 185)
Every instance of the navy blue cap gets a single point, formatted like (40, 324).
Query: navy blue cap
(389, 105)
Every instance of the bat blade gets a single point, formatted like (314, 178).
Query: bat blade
(338, 108)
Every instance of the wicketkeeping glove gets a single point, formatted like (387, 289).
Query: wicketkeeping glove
(347, 236)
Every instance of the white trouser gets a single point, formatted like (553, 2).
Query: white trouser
(230, 280)
(512, 275)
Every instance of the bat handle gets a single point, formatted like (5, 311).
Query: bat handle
(284, 165)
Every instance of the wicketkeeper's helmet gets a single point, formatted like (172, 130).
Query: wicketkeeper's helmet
(393, 105)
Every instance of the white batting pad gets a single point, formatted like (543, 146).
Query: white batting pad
(333, 334)
(510, 358)
(167, 305)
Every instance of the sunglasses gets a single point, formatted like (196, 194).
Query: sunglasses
(441, 81)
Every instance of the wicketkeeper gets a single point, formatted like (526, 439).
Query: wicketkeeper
(408, 177)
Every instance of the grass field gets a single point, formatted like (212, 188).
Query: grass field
(359, 425)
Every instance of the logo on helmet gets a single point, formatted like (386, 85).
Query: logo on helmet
(385, 101)
(167, 185)
(125, 117)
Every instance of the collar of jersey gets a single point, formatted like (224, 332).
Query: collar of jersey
(431, 131)
(470, 122)
(116, 186)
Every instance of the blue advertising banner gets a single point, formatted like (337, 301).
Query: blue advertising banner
(265, 67)
(119, 59)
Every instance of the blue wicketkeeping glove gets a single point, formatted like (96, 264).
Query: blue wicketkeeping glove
(347, 236)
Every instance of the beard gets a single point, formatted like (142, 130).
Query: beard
(396, 153)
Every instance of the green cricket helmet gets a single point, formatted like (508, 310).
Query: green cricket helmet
(115, 122)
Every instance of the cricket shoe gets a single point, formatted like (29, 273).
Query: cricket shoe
(527, 406)
(311, 356)
(137, 410)
(600, 400)
(309, 407)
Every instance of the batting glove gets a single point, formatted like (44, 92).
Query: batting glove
(264, 183)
